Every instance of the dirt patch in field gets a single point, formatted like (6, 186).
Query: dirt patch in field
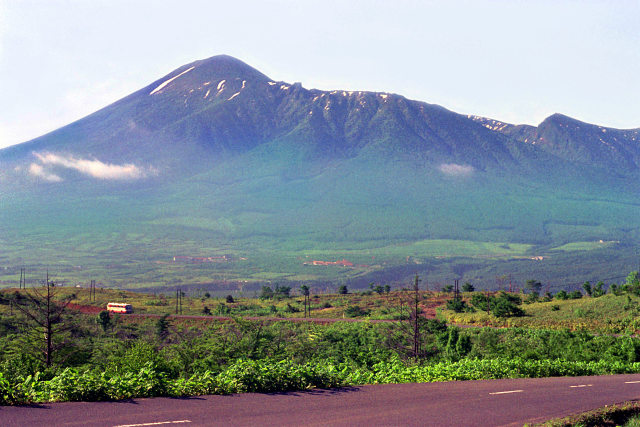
(86, 309)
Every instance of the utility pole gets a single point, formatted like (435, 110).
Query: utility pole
(92, 291)
(179, 301)
(23, 278)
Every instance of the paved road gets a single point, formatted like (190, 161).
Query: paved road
(462, 403)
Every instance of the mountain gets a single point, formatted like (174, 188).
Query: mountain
(216, 157)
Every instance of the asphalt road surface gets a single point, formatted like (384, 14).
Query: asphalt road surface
(459, 403)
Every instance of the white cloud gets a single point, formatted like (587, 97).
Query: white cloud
(93, 168)
(38, 171)
(453, 169)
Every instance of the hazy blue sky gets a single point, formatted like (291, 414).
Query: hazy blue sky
(516, 61)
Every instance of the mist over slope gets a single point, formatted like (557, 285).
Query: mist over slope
(216, 151)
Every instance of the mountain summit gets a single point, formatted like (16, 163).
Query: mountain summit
(218, 147)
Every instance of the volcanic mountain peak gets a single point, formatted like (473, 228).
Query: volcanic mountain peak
(220, 106)
(213, 71)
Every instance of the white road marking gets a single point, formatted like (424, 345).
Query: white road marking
(581, 385)
(506, 392)
(632, 382)
(154, 424)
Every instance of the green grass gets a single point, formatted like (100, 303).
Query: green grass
(333, 306)
(583, 246)
(625, 414)
(606, 314)
(432, 248)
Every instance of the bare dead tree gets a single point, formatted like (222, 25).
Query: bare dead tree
(409, 336)
(45, 326)
(416, 314)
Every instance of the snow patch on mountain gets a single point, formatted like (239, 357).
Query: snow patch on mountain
(166, 82)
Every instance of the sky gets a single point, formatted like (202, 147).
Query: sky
(514, 61)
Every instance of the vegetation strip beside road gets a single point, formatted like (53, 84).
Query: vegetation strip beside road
(106, 357)
(267, 375)
(616, 415)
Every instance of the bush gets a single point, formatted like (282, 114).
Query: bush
(468, 287)
(532, 297)
(291, 309)
(356, 311)
(575, 295)
(482, 302)
(457, 305)
(9, 393)
(505, 308)
(264, 376)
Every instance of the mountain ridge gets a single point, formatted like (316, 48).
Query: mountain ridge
(342, 116)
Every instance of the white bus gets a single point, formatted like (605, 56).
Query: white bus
(119, 307)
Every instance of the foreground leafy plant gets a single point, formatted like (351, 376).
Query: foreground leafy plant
(269, 375)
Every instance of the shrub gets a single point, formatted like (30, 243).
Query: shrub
(457, 305)
(482, 302)
(505, 308)
(356, 311)
(575, 295)
(468, 287)
(291, 309)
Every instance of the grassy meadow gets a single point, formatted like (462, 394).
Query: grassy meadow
(612, 314)
(607, 314)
